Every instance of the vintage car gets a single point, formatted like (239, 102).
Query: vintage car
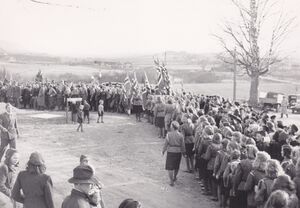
(270, 100)
(296, 107)
(293, 99)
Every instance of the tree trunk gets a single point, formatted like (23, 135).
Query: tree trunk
(253, 100)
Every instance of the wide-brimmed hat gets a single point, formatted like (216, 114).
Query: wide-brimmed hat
(84, 174)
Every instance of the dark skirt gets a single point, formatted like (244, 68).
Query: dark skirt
(160, 122)
(137, 109)
(189, 149)
(173, 161)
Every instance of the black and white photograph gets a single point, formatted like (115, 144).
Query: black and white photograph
(149, 104)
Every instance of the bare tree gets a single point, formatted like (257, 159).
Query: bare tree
(244, 41)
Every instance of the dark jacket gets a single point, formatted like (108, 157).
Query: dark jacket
(77, 199)
(37, 189)
(252, 180)
(241, 174)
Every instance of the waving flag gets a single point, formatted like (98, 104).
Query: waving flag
(147, 83)
(135, 84)
(163, 80)
(127, 85)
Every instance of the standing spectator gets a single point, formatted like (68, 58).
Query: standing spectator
(74, 110)
(26, 96)
(284, 183)
(83, 160)
(100, 111)
(210, 156)
(217, 172)
(95, 194)
(174, 145)
(33, 188)
(169, 113)
(264, 187)
(84, 181)
(284, 106)
(187, 129)
(41, 99)
(137, 103)
(159, 115)
(80, 118)
(3, 90)
(241, 174)
(287, 163)
(278, 199)
(9, 129)
(86, 111)
(297, 179)
(228, 178)
(7, 174)
(258, 173)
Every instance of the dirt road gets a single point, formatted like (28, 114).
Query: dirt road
(126, 155)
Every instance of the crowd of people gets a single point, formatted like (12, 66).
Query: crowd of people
(240, 156)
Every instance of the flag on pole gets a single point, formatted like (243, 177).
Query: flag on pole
(127, 85)
(147, 83)
(163, 81)
(134, 83)
(159, 72)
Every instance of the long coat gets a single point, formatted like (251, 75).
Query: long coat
(7, 176)
(41, 99)
(10, 124)
(37, 189)
(77, 199)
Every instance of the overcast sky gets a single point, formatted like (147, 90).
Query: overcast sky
(120, 27)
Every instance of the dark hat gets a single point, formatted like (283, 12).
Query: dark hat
(36, 159)
(280, 125)
(84, 174)
(294, 128)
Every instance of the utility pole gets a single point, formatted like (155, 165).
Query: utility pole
(234, 75)
(165, 60)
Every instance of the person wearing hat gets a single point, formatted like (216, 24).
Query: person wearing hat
(9, 129)
(84, 181)
(7, 175)
(80, 118)
(175, 147)
(33, 188)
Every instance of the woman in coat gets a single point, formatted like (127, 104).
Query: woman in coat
(175, 147)
(8, 174)
(257, 173)
(188, 129)
(33, 188)
(159, 115)
(264, 187)
(284, 183)
(241, 174)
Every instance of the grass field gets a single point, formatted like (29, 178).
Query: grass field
(225, 88)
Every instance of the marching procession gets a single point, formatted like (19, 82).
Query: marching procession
(240, 156)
